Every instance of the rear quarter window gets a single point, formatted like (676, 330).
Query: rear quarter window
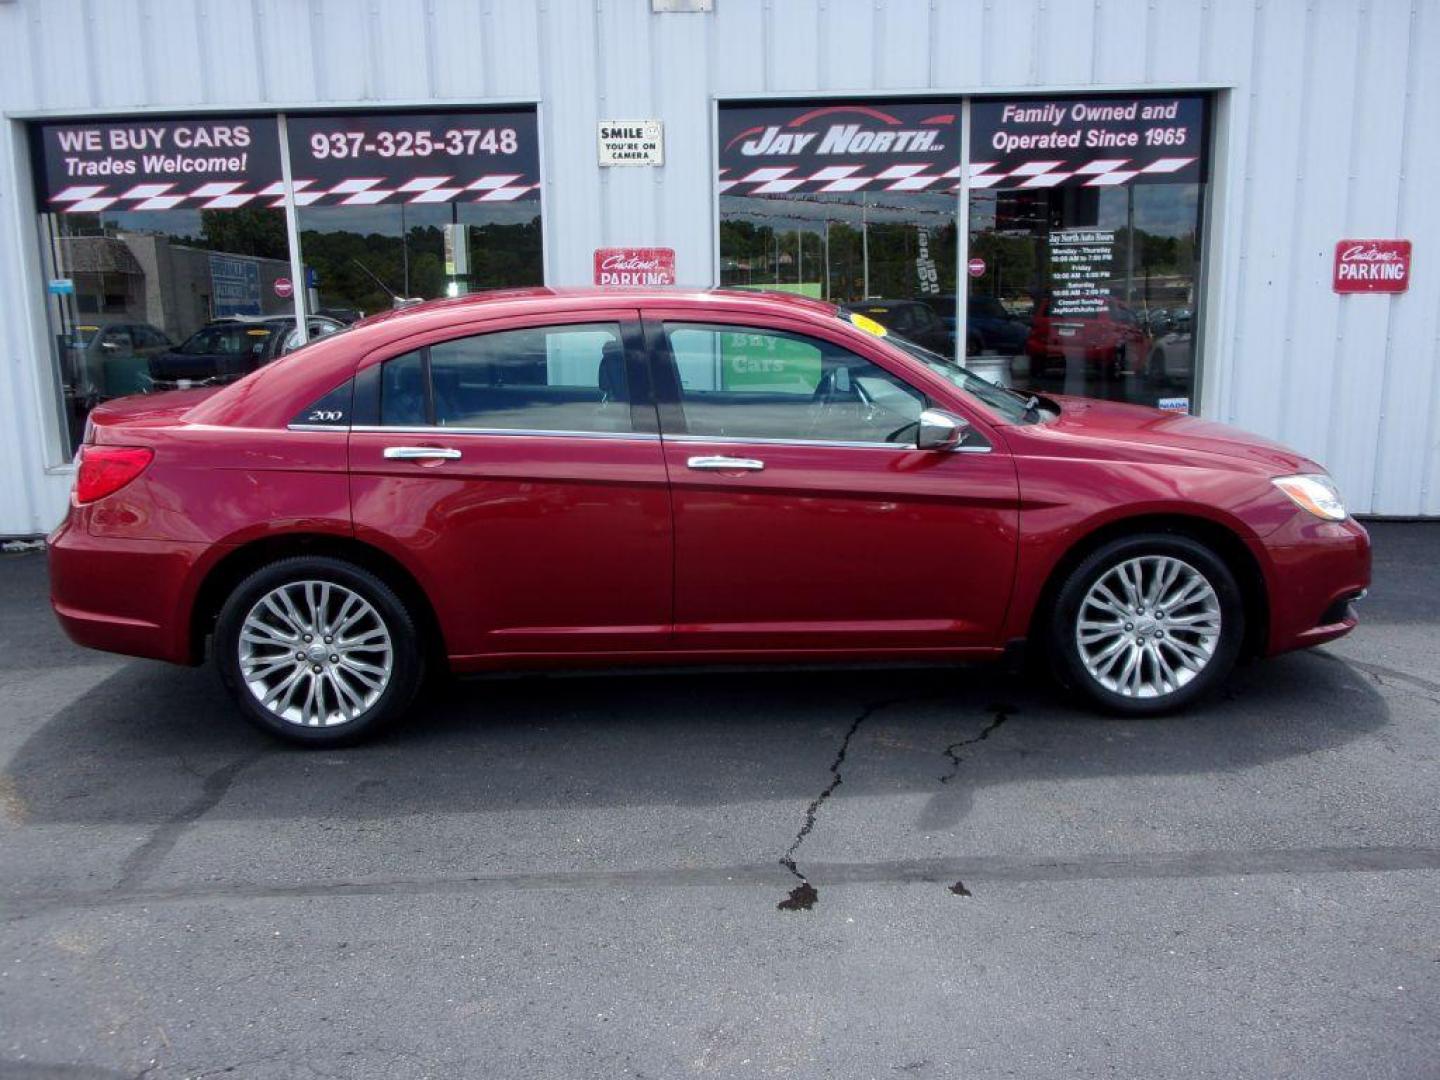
(332, 410)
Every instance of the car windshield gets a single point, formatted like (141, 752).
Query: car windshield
(228, 340)
(1011, 404)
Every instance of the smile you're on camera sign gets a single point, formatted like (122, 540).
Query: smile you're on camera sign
(631, 142)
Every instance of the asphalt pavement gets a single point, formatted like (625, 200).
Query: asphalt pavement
(862, 873)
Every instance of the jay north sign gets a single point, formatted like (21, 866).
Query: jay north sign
(779, 149)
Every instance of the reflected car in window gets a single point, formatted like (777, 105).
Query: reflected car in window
(990, 325)
(912, 319)
(225, 349)
(103, 362)
(1108, 339)
(550, 478)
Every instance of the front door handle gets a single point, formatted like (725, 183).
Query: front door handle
(720, 462)
(421, 453)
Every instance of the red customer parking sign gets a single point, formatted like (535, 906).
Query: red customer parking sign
(1372, 266)
(635, 266)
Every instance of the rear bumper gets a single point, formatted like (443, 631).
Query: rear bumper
(123, 596)
(1315, 571)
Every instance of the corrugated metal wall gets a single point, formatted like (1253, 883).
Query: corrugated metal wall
(1329, 132)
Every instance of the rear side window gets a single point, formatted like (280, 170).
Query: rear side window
(547, 378)
(403, 399)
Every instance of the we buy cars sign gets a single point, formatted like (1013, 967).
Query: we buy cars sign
(1372, 266)
(197, 163)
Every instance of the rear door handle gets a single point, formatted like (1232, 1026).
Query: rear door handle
(720, 462)
(421, 453)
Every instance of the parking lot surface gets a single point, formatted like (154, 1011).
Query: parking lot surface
(858, 873)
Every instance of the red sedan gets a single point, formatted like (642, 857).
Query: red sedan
(565, 478)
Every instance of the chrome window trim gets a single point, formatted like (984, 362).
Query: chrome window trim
(705, 440)
(445, 429)
(735, 440)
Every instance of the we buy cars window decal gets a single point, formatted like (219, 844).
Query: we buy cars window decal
(1087, 142)
(838, 147)
(194, 163)
(346, 159)
(341, 159)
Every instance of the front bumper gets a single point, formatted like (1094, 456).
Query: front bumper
(123, 596)
(1315, 571)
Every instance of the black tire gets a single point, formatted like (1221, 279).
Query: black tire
(1062, 632)
(408, 654)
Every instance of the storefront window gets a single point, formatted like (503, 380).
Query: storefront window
(1084, 252)
(151, 231)
(165, 250)
(853, 203)
(395, 208)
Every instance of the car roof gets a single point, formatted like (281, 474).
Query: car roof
(495, 302)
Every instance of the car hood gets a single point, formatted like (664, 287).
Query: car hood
(1140, 425)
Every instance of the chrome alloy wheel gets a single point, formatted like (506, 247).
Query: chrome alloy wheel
(315, 653)
(1148, 626)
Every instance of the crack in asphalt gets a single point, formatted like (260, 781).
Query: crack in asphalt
(145, 859)
(1002, 713)
(1422, 688)
(804, 895)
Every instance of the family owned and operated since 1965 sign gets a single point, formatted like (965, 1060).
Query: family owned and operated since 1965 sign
(1092, 142)
(341, 159)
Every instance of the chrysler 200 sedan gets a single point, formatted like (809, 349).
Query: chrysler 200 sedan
(541, 478)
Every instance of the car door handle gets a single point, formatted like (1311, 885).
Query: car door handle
(421, 453)
(720, 462)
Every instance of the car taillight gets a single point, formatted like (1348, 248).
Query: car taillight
(104, 470)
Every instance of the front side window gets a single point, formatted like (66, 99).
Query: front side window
(741, 383)
(551, 378)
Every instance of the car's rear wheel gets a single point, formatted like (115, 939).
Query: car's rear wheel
(318, 651)
(1147, 624)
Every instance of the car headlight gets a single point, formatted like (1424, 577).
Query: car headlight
(1314, 492)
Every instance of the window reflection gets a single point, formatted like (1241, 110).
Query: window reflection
(1086, 291)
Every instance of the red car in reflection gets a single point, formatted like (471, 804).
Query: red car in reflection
(572, 478)
(1109, 340)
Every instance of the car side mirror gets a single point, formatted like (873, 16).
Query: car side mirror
(940, 430)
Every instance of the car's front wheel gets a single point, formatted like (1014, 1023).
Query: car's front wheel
(1147, 624)
(318, 651)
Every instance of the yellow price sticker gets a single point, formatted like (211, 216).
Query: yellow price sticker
(869, 325)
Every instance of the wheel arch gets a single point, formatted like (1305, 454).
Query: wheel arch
(1228, 544)
(220, 580)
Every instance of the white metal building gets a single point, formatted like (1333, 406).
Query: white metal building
(1320, 127)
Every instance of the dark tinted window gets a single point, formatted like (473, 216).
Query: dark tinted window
(741, 383)
(332, 410)
(402, 391)
(549, 378)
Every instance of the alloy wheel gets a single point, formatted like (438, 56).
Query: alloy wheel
(1148, 626)
(315, 653)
